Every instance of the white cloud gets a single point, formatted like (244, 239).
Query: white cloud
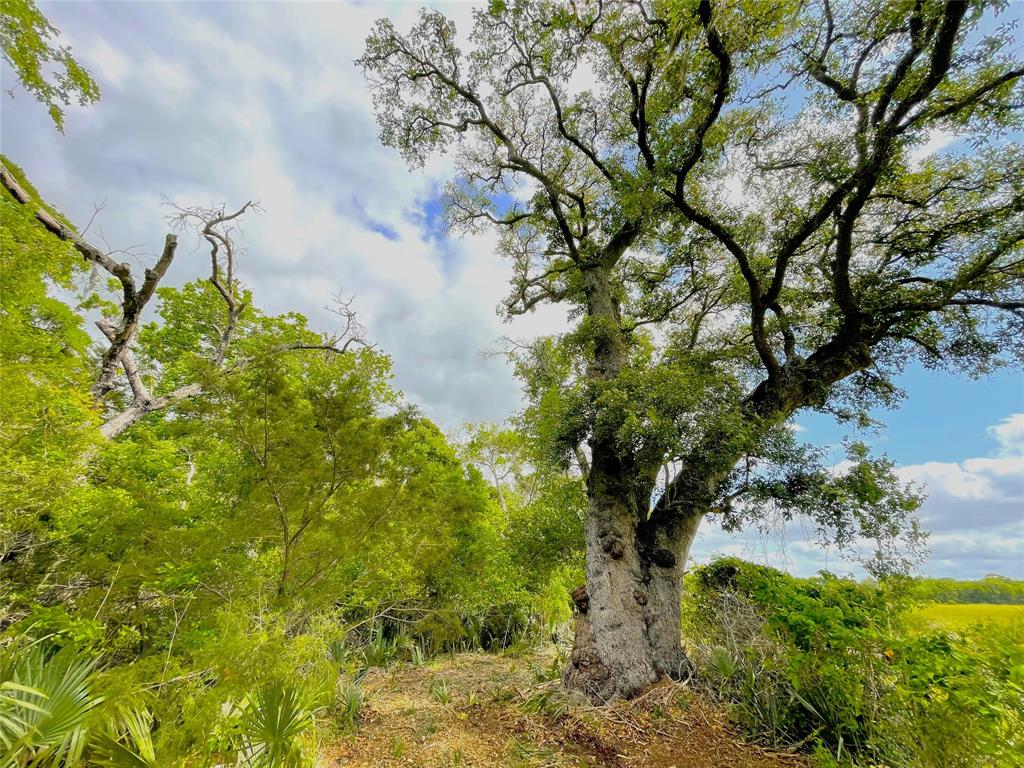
(1010, 433)
(974, 511)
(936, 141)
(170, 80)
(110, 66)
(949, 478)
(978, 492)
(207, 103)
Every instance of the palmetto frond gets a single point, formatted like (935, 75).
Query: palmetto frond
(44, 701)
(274, 724)
(127, 741)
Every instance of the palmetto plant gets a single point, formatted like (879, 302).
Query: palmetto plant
(722, 664)
(127, 741)
(384, 650)
(440, 692)
(351, 703)
(44, 702)
(338, 651)
(274, 723)
(16, 702)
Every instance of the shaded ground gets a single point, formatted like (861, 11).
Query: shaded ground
(493, 711)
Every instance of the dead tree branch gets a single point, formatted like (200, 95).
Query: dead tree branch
(217, 227)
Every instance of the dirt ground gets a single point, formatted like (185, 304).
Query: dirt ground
(478, 709)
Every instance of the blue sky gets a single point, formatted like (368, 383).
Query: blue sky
(944, 418)
(210, 102)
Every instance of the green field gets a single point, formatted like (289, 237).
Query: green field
(961, 615)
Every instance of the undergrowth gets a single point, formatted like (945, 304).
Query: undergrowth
(833, 665)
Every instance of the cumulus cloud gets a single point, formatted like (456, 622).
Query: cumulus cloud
(974, 512)
(936, 140)
(1009, 433)
(976, 493)
(230, 102)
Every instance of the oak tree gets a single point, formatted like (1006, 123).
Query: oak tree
(734, 202)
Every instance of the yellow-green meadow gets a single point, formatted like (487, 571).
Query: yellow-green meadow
(962, 615)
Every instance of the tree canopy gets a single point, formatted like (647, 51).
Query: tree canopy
(733, 201)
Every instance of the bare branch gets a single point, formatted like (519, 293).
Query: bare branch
(134, 299)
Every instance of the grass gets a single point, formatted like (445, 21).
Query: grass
(962, 615)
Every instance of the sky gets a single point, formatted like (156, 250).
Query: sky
(226, 102)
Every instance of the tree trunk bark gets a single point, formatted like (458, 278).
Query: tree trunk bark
(627, 628)
(665, 551)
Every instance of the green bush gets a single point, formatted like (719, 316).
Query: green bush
(830, 662)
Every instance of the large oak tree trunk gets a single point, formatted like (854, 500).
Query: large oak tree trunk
(627, 630)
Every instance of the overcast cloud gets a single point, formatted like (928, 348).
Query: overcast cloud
(210, 102)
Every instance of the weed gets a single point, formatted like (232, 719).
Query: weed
(503, 694)
(398, 747)
(425, 729)
(552, 671)
(350, 705)
(417, 656)
(440, 692)
(553, 703)
(522, 754)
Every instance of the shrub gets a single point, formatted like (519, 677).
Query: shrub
(350, 705)
(829, 661)
(274, 726)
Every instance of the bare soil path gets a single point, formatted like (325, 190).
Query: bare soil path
(488, 711)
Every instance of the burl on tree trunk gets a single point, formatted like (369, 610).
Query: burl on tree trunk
(628, 620)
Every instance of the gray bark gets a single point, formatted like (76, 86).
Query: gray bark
(627, 631)
(665, 554)
(628, 625)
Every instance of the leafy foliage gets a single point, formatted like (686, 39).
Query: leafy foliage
(47, 414)
(46, 70)
(837, 662)
(295, 521)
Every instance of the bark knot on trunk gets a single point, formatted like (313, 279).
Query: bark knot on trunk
(613, 546)
(580, 598)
